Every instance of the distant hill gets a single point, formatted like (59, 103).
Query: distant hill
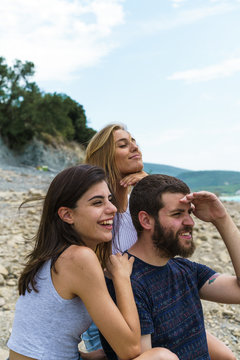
(163, 169)
(218, 181)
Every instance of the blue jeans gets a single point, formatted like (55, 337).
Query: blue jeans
(91, 338)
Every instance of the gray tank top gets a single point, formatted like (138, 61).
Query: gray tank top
(46, 326)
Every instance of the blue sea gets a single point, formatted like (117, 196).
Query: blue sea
(235, 198)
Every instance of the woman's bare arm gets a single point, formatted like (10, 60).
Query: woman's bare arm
(119, 325)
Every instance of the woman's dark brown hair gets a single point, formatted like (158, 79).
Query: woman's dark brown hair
(54, 235)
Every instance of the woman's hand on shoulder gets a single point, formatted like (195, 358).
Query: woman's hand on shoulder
(132, 179)
(119, 265)
(85, 278)
(119, 326)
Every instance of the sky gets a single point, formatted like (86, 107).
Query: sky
(167, 69)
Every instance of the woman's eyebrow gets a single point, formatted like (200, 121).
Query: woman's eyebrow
(96, 197)
(123, 139)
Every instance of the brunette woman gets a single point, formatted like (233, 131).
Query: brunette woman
(62, 286)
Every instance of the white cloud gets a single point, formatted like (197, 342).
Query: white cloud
(177, 3)
(224, 69)
(59, 36)
(186, 17)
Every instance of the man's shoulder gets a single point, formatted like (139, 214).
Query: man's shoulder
(180, 261)
(140, 267)
(144, 272)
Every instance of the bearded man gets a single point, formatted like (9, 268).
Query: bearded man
(168, 288)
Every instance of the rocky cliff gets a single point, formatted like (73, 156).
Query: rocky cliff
(55, 155)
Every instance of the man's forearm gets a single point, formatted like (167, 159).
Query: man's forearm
(231, 237)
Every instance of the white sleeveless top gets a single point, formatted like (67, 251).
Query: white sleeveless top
(126, 234)
(46, 326)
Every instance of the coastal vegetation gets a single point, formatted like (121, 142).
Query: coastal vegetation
(26, 112)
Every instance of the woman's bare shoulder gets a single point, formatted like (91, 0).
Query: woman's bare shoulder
(80, 256)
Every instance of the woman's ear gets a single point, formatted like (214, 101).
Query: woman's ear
(65, 214)
(146, 221)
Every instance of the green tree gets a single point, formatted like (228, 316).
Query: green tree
(76, 112)
(15, 87)
(53, 117)
(26, 112)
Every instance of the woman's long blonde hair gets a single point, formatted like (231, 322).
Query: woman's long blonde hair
(101, 152)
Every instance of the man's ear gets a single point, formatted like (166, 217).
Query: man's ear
(65, 214)
(146, 221)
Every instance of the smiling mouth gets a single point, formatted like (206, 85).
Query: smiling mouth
(106, 222)
(137, 156)
(186, 235)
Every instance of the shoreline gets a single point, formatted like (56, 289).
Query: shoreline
(230, 198)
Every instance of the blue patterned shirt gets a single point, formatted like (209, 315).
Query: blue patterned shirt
(169, 305)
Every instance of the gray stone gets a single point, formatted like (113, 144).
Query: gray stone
(2, 301)
(2, 282)
(224, 256)
(3, 270)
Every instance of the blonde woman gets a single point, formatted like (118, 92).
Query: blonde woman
(115, 150)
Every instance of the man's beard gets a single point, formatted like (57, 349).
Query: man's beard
(166, 242)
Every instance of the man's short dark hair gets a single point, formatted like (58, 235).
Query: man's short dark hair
(147, 195)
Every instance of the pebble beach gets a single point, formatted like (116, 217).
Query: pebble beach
(17, 229)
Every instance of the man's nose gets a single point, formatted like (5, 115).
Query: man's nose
(188, 220)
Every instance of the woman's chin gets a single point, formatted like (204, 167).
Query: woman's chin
(135, 169)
